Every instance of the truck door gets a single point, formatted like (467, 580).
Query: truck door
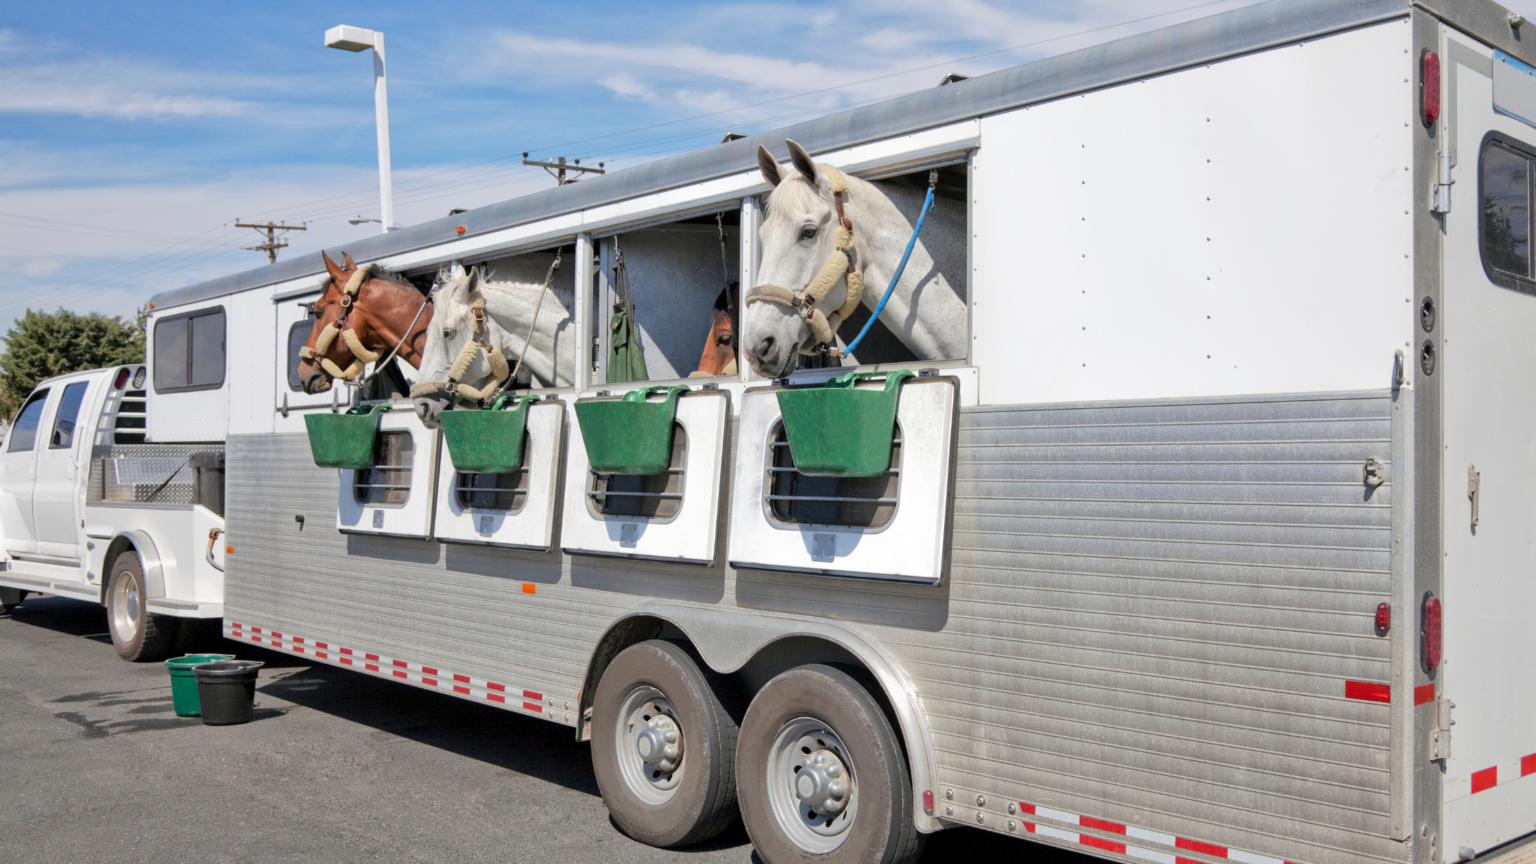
(17, 470)
(56, 490)
(1488, 511)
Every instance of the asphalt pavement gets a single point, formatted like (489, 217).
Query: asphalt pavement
(336, 767)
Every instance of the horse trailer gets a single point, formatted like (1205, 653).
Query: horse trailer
(1183, 521)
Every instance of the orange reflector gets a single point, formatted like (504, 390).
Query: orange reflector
(229, 550)
(528, 588)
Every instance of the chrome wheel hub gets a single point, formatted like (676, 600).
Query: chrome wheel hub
(812, 787)
(660, 744)
(822, 783)
(125, 608)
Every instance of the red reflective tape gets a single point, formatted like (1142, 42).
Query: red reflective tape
(1180, 859)
(298, 640)
(1424, 693)
(276, 635)
(321, 645)
(277, 643)
(1101, 844)
(346, 650)
(529, 694)
(1101, 824)
(1528, 764)
(1485, 779)
(1203, 848)
(458, 689)
(1029, 826)
(256, 639)
(1028, 808)
(398, 673)
(401, 663)
(255, 629)
(1367, 691)
(463, 679)
(428, 681)
(322, 655)
(492, 685)
(371, 656)
(494, 698)
(428, 670)
(346, 661)
(534, 706)
(370, 667)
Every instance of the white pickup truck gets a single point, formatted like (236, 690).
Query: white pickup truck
(90, 509)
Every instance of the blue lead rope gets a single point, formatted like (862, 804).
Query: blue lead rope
(933, 179)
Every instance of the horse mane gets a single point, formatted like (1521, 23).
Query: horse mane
(798, 192)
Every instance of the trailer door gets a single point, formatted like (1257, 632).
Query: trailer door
(1488, 359)
(55, 492)
(18, 467)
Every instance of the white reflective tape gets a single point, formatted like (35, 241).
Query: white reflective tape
(1059, 816)
(1148, 854)
(1048, 831)
(1251, 858)
(1153, 836)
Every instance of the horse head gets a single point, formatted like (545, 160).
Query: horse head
(799, 238)
(454, 328)
(719, 356)
(357, 324)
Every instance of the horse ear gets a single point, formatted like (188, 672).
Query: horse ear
(346, 262)
(802, 161)
(337, 274)
(772, 172)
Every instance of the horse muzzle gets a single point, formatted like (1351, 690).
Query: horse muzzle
(312, 379)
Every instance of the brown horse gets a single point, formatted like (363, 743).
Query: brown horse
(720, 350)
(374, 318)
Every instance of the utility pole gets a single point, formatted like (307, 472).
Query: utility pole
(273, 244)
(557, 169)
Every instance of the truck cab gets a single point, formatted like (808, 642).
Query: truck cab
(90, 509)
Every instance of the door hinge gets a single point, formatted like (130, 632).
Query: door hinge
(1474, 490)
(1440, 193)
(1440, 736)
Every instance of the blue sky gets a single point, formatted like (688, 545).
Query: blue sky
(132, 136)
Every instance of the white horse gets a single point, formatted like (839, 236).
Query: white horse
(927, 311)
(512, 290)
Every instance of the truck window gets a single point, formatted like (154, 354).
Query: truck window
(63, 436)
(1505, 222)
(189, 351)
(24, 430)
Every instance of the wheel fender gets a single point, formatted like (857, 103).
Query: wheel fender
(149, 559)
(726, 639)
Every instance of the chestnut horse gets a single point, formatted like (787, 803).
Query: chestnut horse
(377, 316)
(720, 350)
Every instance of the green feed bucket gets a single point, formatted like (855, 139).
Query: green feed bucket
(488, 441)
(838, 430)
(629, 435)
(184, 684)
(344, 440)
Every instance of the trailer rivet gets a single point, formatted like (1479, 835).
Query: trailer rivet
(949, 811)
(1012, 808)
(981, 817)
(981, 800)
(949, 794)
(1011, 825)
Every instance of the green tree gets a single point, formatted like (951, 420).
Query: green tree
(41, 345)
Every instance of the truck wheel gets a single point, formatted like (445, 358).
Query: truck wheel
(663, 747)
(821, 774)
(136, 634)
(10, 598)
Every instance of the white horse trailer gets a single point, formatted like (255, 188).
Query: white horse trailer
(1183, 545)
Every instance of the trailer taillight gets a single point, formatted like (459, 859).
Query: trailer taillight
(1429, 87)
(928, 801)
(1432, 631)
(1383, 618)
(122, 378)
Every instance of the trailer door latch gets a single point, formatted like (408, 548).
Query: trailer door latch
(1440, 736)
(1375, 473)
(1474, 490)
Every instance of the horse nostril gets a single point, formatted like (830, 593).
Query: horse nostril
(765, 346)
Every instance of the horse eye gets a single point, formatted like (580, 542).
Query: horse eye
(723, 339)
(448, 332)
(808, 232)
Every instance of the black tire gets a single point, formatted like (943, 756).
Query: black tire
(10, 598)
(819, 703)
(701, 801)
(137, 635)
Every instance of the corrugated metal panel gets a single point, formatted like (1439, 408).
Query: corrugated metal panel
(1205, 40)
(1150, 614)
(1153, 611)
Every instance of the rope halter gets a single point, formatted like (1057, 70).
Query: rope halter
(361, 356)
(838, 264)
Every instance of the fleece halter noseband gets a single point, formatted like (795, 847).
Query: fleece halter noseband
(500, 371)
(839, 263)
(360, 355)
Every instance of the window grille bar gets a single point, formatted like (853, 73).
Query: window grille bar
(671, 495)
(831, 499)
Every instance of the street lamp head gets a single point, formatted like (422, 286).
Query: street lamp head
(358, 220)
(350, 38)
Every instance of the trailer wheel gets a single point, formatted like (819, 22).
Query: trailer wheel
(10, 598)
(821, 774)
(663, 747)
(136, 634)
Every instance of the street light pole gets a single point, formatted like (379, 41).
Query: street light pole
(359, 39)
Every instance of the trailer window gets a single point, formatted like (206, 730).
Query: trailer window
(24, 430)
(653, 496)
(503, 492)
(63, 436)
(189, 351)
(389, 480)
(859, 502)
(298, 336)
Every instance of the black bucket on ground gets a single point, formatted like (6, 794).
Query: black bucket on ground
(227, 691)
